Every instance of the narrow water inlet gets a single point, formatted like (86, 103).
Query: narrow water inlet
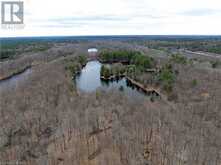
(16, 79)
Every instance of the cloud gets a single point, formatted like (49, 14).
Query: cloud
(87, 17)
(200, 12)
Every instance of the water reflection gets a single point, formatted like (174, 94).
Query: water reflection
(89, 80)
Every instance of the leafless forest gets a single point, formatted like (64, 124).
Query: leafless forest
(46, 120)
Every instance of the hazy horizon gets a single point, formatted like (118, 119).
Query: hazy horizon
(118, 36)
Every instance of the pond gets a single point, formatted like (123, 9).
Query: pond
(89, 81)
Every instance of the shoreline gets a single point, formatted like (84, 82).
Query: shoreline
(135, 83)
(15, 73)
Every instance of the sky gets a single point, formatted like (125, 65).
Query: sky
(118, 17)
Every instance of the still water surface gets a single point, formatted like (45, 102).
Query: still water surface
(89, 81)
(15, 80)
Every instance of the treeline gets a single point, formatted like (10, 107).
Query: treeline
(4, 54)
(213, 46)
(75, 64)
(115, 70)
(129, 57)
(117, 56)
(137, 68)
(8, 50)
(215, 50)
(135, 60)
